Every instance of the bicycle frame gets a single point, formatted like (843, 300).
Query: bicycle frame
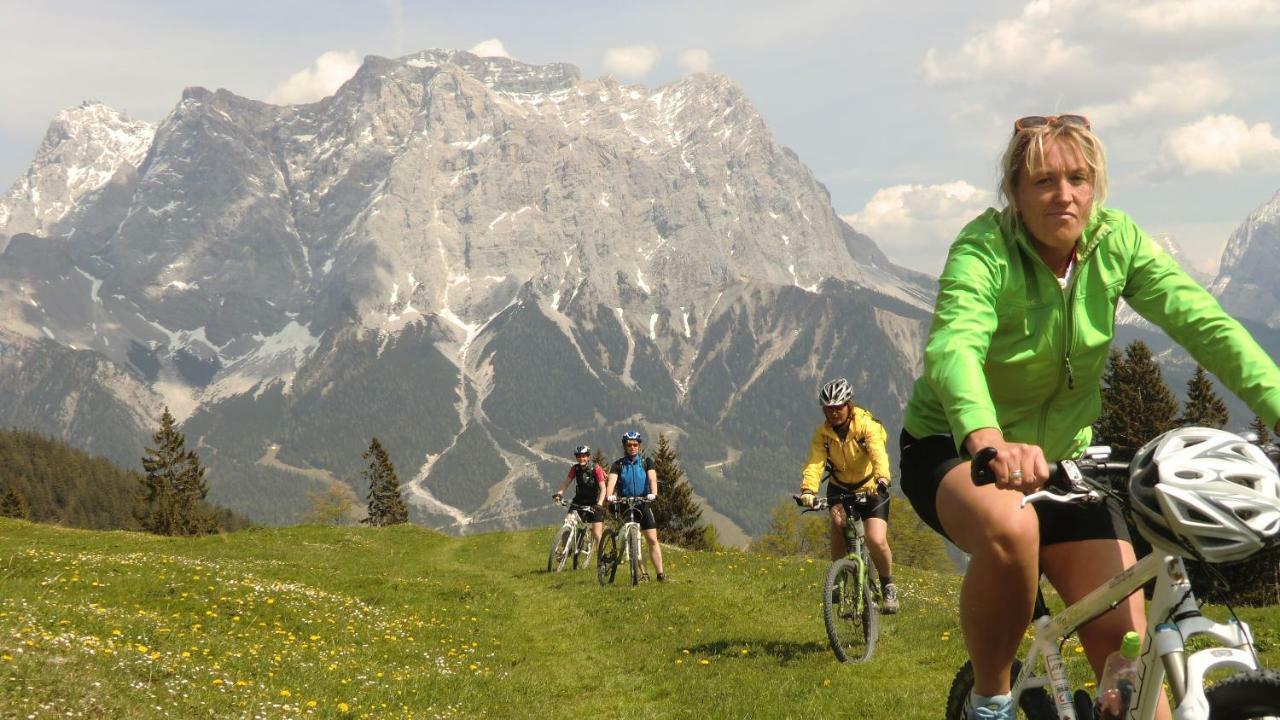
(1161, 650)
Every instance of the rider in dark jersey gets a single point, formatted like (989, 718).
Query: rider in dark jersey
(589, 481)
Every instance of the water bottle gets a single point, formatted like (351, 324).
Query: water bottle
(1119, 678)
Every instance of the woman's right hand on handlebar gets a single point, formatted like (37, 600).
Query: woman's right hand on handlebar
(1017, 466)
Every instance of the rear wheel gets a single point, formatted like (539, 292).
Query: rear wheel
(1246, 696)
(633, 550)
(607, 557)
(1035, 703)
(850, 612)
(559, 550)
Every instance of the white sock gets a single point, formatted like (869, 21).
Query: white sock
(976, 700)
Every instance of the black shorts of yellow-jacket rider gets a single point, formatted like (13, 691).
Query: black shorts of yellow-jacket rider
(870, 501)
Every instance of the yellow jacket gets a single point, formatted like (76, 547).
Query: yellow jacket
(859, 459)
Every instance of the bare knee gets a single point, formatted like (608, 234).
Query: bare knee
(1010, 540)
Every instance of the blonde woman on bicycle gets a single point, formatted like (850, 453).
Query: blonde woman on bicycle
(1019, 341)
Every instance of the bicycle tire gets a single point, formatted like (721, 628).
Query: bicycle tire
(559, 550)
(633, 550)
(1246, 696)
(849, 612)
(582, 551)
(607, 557)
(1035, 703)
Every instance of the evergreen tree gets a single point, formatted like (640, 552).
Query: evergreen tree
(678, 515)
(386, 505)
(13, 505)
(1260, 429)
(331, 506)
(1136, 404)
(174, 486)
(1204, 408)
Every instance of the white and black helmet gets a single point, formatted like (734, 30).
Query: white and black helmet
(836, 392)
(1205, 489)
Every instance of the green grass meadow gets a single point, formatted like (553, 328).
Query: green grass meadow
(403, 622)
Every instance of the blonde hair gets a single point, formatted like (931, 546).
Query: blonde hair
(1026, 152)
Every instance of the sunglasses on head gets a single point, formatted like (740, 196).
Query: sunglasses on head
(1033, 121)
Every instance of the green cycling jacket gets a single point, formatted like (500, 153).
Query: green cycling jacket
(1010, 348)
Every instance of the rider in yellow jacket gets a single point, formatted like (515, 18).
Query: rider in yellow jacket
(849, 447)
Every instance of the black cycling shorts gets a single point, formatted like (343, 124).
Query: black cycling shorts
(588, 511)
(871, 504)
(925, 461)
(642, 514)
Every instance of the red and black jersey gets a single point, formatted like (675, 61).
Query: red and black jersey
(587, 482)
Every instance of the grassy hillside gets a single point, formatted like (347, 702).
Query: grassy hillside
(403, 622)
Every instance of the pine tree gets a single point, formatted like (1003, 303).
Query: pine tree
(678, 515)
(13, 505)
(1260, 429)
(174, 486)
(386, 505)
(1204, 408)
(1136, 404)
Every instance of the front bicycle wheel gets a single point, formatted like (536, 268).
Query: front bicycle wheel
(633, 551)
(559, 550)
(1035, 703)
(582, 550)
(1246, 696)
(607, 557)
(850, 612)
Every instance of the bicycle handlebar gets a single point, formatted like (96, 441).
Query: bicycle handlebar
(1065, 475)
(822, 503)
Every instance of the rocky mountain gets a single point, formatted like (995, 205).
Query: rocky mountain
(1247, 281)
(479, 261)
(84, 150)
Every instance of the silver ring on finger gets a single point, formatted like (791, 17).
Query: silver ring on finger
(1015, 475)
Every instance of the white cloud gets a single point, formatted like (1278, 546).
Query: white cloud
(695, 60)
(492, 47)
(1172, 16)
(1027, 47)
(321, 80)
(632, 61)
(915, 224)
(1222, 144)
(1184, 88)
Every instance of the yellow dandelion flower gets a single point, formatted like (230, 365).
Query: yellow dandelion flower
(704, 661)
(311, 703)
(217, 681)
(285, 693)
(679, 661)
(826, 682)
(343, 707)
(143, 648)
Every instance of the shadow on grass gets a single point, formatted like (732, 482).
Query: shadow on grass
(784, 651)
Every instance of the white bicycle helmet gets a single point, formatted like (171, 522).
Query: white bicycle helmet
(1207, 490)
(836, 392)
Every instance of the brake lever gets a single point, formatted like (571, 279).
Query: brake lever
(1066, 486)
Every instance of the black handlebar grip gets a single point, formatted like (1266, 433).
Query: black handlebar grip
(980, 468)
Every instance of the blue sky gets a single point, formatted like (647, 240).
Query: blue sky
(901, 109)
